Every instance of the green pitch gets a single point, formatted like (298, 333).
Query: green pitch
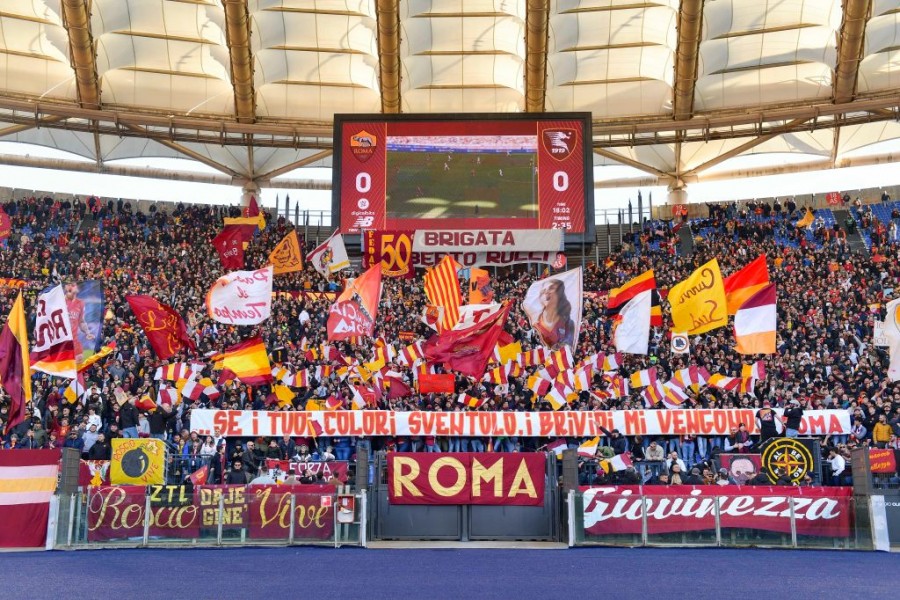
(460, 185)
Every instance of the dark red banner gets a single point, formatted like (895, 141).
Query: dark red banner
(393, 249)
(117, 512)
(270, 511)
(441, 383)
(618, 509)
(233, 499)
(495, 478)
(883, 460)
(327, 469)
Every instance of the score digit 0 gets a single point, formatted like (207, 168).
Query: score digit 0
(560, 181)
(363, 182)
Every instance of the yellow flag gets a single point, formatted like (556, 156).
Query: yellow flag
(510, 352)
(807, 219)
(286, 255)
(137, 461)
(698, 303)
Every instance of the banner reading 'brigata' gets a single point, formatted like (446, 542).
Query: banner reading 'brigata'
(619, 509)
(444, 241)
(243, 423)
(494, 478)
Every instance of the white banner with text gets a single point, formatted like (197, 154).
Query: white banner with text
(716, 422)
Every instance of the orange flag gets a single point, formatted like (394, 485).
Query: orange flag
(746, 282)
(480, 290)
(285, 257)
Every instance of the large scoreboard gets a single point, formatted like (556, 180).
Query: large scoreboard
(511, 171)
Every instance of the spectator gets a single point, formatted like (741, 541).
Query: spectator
(794, 414)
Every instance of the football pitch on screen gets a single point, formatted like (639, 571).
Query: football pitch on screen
(461, 185)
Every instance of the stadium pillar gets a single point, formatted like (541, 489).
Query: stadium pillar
(250, 190)
(677, 193)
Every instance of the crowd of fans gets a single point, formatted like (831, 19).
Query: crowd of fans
(828, 300)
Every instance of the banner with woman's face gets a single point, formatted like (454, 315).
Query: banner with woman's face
(85, 305)
(553, 306)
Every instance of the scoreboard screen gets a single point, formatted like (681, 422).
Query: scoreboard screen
(463, 172)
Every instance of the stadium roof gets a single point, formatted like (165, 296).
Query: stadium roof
(679, 90)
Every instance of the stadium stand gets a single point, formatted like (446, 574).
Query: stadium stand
(829, 298)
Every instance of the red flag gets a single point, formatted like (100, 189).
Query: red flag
(164, 328)
(199, 476)
(230, 246)
(468, 350)
(397, 388)
(441, 383)
(356, 308)
(252, 209)
(5, 224)
(14, 363)
(145, 403)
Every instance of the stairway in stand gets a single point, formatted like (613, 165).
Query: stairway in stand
(855, 241)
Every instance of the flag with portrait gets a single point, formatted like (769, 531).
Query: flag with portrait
(553, 306)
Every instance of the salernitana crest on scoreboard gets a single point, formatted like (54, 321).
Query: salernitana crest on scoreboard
(560, 142)
(363, 144)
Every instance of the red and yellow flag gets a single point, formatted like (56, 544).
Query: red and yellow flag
(620, 296)
(442, 289)
(746, 282)
(163, 326)
(248, 361)
(14, 363)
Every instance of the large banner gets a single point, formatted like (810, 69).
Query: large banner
(27, 483)
(619, 509)
(495, 478)
(393, 249)
(243, 423)
(118, 512)
(485, 259)
(270, 512)
(553, 306)
(241, 297)
(178, 511)
(85, 306)
(444, 241)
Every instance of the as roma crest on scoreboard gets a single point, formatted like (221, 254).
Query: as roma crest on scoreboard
(559, 143)
(363, 144)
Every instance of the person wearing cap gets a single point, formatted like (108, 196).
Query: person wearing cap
(722, 477)
(794, 413)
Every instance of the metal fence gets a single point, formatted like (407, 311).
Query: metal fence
(711, 533)
(83, 520)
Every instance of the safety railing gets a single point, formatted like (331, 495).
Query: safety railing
(215, 515)
(761, 520)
